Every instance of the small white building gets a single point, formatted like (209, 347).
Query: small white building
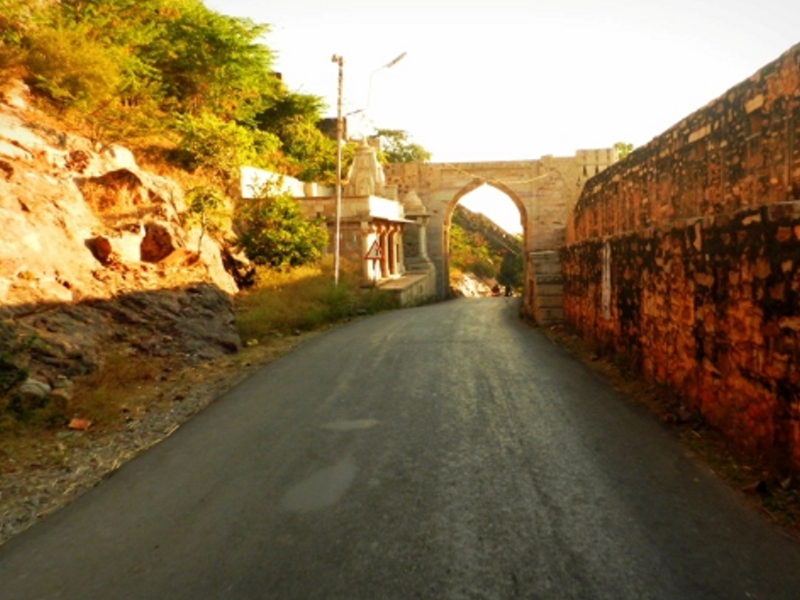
(372, 225)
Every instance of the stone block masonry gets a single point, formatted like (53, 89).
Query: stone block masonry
(685, 257)
(710, 308)
(742, 149)
(543, 190)
(545, 287)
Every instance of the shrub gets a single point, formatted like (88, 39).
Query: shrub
(470, 253)
(274, 232)
(17, 17)
(71, 69)
(305, 298)
(218, 147)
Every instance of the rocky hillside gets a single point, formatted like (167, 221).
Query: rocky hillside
(94, 260)
(487, 255)
(498, 238)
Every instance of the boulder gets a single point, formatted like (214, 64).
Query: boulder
(33, 388)
(94, 252)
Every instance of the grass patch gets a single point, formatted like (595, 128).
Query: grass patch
(110, 394)
(303, 299)
(128, 388)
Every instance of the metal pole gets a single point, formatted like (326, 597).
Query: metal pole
(339, 135)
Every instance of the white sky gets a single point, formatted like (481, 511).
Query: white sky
(517, 79)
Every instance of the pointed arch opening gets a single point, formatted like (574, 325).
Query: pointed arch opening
(484, 240)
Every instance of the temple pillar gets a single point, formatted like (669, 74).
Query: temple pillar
(398, 246)
(423, 238)
(367, 239)
(384, 262)
(392, 247)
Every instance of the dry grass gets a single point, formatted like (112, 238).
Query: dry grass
(273, 316)
(121, 390)
(303, 299)
(114, 392)
(119, 395)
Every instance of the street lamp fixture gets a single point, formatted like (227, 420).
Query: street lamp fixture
(388, 65)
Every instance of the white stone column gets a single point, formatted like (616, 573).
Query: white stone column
(423, 239)
(384, 262)
(366, 244)
(401, 257)
(392, 248)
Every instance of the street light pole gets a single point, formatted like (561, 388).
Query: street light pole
(339, 142)
(339, 135)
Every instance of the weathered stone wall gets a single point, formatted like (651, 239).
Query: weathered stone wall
(685, 257)
(543, 190)
(740, 150)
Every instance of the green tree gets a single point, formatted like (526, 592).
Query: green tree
(72, 69)
(274, 231)
(173, 55)
(218, 148)
(398, 148)
(511, 270)
(18, 18)
(623, 149)
(128, 68)
(470, 253)
(205, 209)
(308, 154)
(287, 107)
(206, 61)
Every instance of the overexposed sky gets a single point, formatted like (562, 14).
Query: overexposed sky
(517, 79)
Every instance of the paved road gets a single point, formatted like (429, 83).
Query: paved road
(446, 452)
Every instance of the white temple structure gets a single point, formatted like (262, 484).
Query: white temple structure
(386, 235)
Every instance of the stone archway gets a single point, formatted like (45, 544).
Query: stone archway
(450, 210)
(544, 190)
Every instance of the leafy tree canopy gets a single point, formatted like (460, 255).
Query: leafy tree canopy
(218, 147)
(200, 79)
(131, 67)
(469, 252)
(398, 147)
(293, 117)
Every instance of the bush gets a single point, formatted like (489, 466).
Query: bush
(340, 302)
(206, 209)
(274, 232)
(71, 69)
(470, 253)
(217, 147)
(304, 299)
(17, 17)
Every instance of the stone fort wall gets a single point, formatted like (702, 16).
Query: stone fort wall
(685, 258)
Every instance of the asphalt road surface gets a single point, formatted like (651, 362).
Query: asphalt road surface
(447, 451)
